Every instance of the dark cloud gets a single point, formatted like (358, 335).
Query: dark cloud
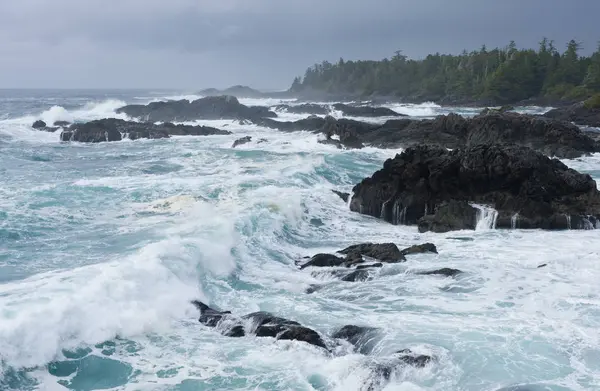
(198, 43)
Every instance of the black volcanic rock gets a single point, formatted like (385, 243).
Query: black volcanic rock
(512, 179)
(361, 337)
(385, 252)
(324, 260)
(420, 249)
(111, 129)
(446, 272)
(261, 324)
(577, 113)
(450, 216)
(551, 137)
(39, 124)
(241, 141)
(209, 108)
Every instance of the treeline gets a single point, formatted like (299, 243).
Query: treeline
(501, 75)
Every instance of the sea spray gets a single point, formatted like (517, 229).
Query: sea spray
(486, 217)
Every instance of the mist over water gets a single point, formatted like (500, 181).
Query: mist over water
(103, 246)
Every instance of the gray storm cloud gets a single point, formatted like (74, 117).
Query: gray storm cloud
(199, 43)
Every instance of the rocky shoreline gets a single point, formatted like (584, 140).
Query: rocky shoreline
(498, 167)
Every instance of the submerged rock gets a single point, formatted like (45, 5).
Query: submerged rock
(209, 108)
(241, 141)
(447, 272)
(428, 180)
(382, 371)
(420, 249)
(362, 338)
(263, 324)
(357, 275)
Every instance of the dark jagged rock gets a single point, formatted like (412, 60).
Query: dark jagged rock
(264, 324)
(420, 249)
(362, 338)
(447, 272)
(385, 252)
(111, 129)
(92, 132)
(209, 108)
(208, 316)
(62, 124)
(39, 124)
(513, 179)
(344, 196)
(449, 131)
(324, 260)
(450, 216)
(311, 124)
(347, 131)
(241, 141)
(366, 111)
(408, 357)
(550, 137)
(357, 275)
(306, 108)
(577, 113)
(381, 372)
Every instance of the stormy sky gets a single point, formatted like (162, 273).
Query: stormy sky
(191, 44)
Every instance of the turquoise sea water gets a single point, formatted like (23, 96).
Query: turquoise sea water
(103, 246)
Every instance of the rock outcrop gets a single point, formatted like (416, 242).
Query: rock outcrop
(354, 257)
(579, 114)
(41, 125)
(260, 324)
(209, 108)
(428, 180)
(551, 137)
(111, 129)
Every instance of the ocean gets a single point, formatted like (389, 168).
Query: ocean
(103, 246)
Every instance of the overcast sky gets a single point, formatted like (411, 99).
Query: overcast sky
(192, 44)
